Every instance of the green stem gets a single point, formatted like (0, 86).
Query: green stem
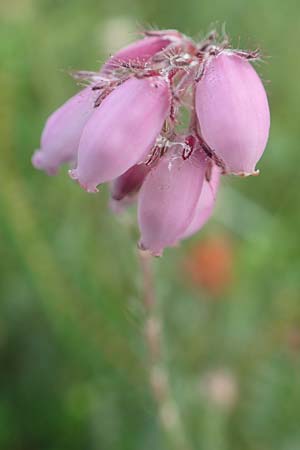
(168, 413)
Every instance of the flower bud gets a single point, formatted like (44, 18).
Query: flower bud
(61, 134)
(168, 198)
(205, 204)
(139, 51)
(122, 131)
(233, 112)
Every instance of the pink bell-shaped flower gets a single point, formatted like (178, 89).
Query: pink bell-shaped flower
(61, 134)
(122, 130)
(205, 204)
(168, 198)
(233, 112)
(139, 51)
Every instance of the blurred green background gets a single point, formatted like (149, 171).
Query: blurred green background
(73, 366)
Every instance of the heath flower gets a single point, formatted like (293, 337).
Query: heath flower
(125, 128)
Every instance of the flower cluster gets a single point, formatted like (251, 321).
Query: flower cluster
(126, 126)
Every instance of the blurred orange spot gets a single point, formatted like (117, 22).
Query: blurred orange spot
(209, 264)
(293, 339)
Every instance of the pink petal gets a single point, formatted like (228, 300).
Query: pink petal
(61, 134)
(139, 51)
(122, 131)
(233, 112)
(167, 200)
(130, 182)
(205, 204)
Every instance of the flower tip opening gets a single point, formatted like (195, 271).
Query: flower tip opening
(90, 190)
(73, 173)
(147, 251)
(254, 173)
(116, 197)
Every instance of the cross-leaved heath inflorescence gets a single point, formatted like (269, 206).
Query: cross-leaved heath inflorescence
(125, 127)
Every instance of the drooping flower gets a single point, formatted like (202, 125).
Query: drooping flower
(205, 204)
(233, 112)
(126, 128)
(122, 131)
(140, 51)
(168, 198)
(62, 132)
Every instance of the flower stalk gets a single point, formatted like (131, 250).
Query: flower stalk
(168, 412)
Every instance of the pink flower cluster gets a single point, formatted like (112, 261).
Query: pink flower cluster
(126, 127)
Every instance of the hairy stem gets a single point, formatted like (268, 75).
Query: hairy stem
(168, 413)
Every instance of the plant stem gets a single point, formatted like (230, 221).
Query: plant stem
(168, 413)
